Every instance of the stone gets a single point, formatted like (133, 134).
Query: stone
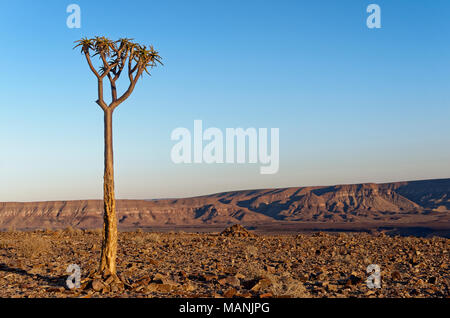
(353, 280)
(230, 293)
(162, 288)
(153, 262)
(331, 287)
(396, 276)
(161, 279)
(116, 287)
(109, 280)
(208, 277)
(189, 287)
(143, 280)
(258, 284)
(97, 285)
(239, 276)
(236, 230)
(230, 280)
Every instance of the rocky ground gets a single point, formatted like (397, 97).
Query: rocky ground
(235, 263)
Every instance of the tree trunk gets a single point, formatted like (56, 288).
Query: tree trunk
(109, 243)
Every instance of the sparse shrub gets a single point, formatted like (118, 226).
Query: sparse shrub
(32, 245)
(153, 237)
(253, 270)
(286, 285)
(138, 239)
(69, 230)
(98, 231)
(5, 244)
(281, 285)
(250, 251)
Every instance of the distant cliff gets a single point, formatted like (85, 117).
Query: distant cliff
(414, 201)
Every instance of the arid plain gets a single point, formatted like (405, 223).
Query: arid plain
(297, 242)
(232, 264)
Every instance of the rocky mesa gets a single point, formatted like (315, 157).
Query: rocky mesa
(400, 202)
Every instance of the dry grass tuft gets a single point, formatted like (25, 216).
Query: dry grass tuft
(4, 243)
(72, 231)
(286, 285)
(98, 231)
(32, 245)
(282, 284)
(250, 251)
(138, 239)
(153, 237)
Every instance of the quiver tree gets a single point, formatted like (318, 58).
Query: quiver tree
(113, 57)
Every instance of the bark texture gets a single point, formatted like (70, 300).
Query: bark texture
(109, 243)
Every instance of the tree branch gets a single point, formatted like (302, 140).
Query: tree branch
(106, 65)
(113, 88)
(88, 59)
(100, 100)
(128, 92)
(123, 59)
(140, 57)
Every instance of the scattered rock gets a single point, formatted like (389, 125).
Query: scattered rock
(212, 265)
(353, 280)
(230, 293)
(396, 276)
(230, 280)
(161, 279)
(257, 284)
(161, 288)
(236, 230)
(208, 277)
(189, 287)
(97, 285)
(145, 280)
(331, 287)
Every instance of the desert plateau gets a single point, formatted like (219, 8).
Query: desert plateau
(292, 242)
(419, 208)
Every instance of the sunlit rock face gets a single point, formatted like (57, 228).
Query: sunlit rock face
(415, 201)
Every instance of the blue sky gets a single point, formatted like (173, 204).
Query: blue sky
(353, 104)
